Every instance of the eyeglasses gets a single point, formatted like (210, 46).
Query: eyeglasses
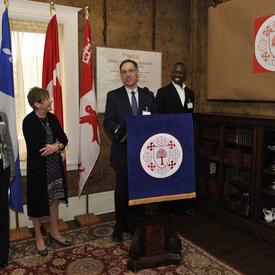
(130, 71)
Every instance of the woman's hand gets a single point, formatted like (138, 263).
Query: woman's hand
(49, 149)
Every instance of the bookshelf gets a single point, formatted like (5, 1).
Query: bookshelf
(235, 168)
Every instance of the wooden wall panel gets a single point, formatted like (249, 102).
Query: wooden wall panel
(143, 25)
(178, 29)
(173, 26)
(129, 24)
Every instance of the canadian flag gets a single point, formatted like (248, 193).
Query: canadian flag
(51, 75)
(89, 139)
(51, 68)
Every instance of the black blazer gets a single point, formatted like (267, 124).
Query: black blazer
(5, 138)
(168, 100)
(35, 137)
(117, 108)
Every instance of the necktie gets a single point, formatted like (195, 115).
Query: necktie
(134, 104)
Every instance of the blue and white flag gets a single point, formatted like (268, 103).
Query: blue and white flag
(7, 104)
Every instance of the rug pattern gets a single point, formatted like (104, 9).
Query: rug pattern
(93, 252)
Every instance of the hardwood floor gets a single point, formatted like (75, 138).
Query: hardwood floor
(246, 253)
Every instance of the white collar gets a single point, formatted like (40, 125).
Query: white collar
(177, 86)
(129, 90)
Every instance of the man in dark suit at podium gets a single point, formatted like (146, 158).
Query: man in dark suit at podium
(176, 97)
(126, 100)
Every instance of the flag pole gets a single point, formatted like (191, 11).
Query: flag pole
(87, 200)
(19, 233)
(87, 184)
(87, 12)
(87, 218)
(51, 82)
(52, 8)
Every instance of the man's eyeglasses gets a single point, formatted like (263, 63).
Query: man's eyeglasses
(124, 72)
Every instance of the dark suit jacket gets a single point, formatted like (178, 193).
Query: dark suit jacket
(5, 138)
(117, 108)
(168, 100)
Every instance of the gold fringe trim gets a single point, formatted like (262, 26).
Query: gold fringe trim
(163, 198)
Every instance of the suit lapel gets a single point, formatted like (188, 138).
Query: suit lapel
(142, 104)
(175, 94)
(125, 103)
(188, 98)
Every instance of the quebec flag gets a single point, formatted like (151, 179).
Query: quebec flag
(7, 105)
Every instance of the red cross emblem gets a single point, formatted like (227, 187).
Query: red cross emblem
(151, 166)
(161, 155)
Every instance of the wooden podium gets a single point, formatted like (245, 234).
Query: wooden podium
(160, 168)
(155, 243)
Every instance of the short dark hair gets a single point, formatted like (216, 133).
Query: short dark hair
(127, 61)
(179, 63)
(37, 95)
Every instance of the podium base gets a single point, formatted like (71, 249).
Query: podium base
(154, 244)
(19, 234)
(62, 226)
(153, 261)
(87, 219)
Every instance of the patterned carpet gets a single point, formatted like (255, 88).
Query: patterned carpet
(93, 252)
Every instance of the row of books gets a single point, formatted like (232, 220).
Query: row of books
(239, 177)
(208, 167)
(234, 156)
(240, 136)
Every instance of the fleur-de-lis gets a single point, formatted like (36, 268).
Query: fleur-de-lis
(8, 52)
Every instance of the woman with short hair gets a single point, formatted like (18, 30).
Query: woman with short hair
(45, 139)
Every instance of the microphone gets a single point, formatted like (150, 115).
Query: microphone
(120, 133)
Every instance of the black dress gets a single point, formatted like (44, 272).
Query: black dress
(54, 168)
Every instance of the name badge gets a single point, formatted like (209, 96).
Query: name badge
(190, 105)
(146, 113)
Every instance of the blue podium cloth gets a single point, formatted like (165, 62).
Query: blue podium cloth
(166, 143)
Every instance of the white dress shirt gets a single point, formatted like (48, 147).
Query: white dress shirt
(181, 92)
(130, 95)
